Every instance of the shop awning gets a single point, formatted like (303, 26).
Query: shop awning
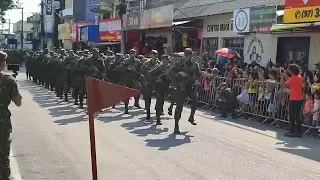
(281, 27)
(106, 43)
(179, 23)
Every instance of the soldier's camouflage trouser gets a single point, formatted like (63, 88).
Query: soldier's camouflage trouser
(5, 142)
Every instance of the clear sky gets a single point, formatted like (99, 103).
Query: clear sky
(29, 7)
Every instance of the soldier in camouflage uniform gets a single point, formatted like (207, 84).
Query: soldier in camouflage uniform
(61, 73)
(130, 76)
(176, 57)
(163, 81)
(148, 83)
(8, 92)
(187, 73)
(79, 83)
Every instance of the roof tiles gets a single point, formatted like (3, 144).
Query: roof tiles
(201, 8)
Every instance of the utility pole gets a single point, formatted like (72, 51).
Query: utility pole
(9, 27)
(42, 33)
(122, 11)
(22, 28)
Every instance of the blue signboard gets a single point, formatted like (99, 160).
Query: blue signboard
(48, 7)
(89, 33)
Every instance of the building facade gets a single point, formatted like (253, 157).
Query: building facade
(27, 30)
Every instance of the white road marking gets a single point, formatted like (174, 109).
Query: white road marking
(15, 173)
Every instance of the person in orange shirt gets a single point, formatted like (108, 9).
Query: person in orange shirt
(296, 85)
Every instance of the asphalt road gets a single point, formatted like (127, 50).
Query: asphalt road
(51, 142)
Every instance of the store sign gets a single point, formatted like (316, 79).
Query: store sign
(75, 30)
(241, 20)
(220, 27)
(84, 33)
(262, 18)
(131, 21)
(255, 50)
(301, 11)
(157, 17)
(110, 30)
(48, 7)
(64, 31)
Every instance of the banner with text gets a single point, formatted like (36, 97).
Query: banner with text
(262, 18)
(157, 17)
(110, 30)
(131, 21)
(301, 11)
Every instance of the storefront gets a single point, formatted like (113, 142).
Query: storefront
(110, 34)
(75, 34)
(156, 29)
(301, 46)
(218, 33)
(131, 23)
(89, 34)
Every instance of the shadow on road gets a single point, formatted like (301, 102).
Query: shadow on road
(56, 107)
(169, 142)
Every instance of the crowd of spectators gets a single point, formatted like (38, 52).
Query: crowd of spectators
(274, 93)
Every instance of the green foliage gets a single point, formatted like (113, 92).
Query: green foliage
(6, 5)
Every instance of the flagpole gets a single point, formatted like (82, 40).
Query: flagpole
(93, 147)
(90, 94)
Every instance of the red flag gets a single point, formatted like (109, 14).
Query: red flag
(102, 95)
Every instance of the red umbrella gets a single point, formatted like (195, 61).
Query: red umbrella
(229, 53)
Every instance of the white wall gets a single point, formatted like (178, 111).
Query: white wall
(219, 26)
(26, 26)
(269, 43)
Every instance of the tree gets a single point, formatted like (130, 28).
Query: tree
(6, 5)
(106, 8)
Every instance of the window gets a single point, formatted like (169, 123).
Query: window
(210, 45)
(234, 43)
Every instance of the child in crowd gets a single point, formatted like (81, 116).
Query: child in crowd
(226, 102)
(308, 107)
(316, 108)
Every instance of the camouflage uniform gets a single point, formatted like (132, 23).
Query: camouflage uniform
(8, 91)
(185, 86)
(162, 81)
(130, 76)
(148, 83)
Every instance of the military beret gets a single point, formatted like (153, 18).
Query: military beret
(3, 56)
(109, 51)
(176, 55)
(188, 51)
(140, 56)
(165, 56)
(119, 54)
(154, 52)
(70, 50)
(86, 50)
(132, 50)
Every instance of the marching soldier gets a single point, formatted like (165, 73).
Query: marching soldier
(8, 92)
(176, 57)
(149, 79)
(187, 74)
(130, 76)
(163, 81)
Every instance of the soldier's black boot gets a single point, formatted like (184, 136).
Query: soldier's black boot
(126, 111)
(191, 118)
(81, 105)
(158, 120)
(176, 127)
(66, 97)
(148, 114)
